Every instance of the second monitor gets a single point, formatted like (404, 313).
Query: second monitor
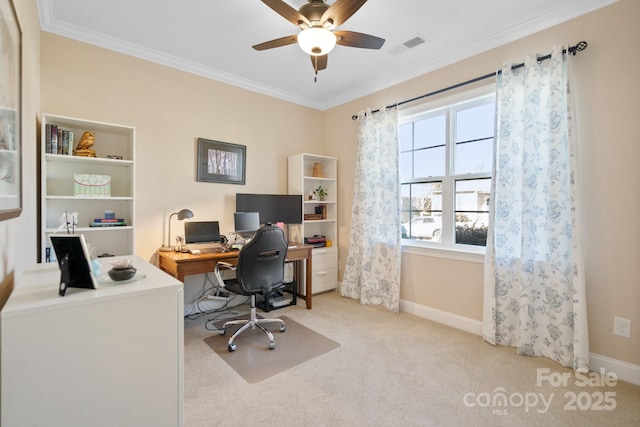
(273, 208)
(246, 223)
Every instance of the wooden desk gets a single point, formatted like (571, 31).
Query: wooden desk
(180, 264)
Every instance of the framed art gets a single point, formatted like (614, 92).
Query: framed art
(10, 112)
(220, 162)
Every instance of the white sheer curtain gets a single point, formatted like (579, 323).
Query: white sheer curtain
(534, 283)
(372, 273)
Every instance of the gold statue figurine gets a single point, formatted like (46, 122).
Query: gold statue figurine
(84, 145)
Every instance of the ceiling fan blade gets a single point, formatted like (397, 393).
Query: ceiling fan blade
(282, 41)
(288, 13)
(319, 62)
(353, 39)
(341, 10)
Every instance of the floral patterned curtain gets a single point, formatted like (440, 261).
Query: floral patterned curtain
(534, 283)
(372, 273)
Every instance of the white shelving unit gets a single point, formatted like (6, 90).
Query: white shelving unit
(57, 186)
(301, 180)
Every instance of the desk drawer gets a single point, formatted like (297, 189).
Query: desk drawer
(324, 258)
(324, 279)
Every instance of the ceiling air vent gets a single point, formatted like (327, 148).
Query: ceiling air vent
(414, 41)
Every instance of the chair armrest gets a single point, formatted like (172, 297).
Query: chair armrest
(224, 266)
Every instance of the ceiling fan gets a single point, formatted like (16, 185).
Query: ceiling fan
(318, 22)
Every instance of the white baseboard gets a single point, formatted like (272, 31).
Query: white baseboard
(455, 321)
(624, 371)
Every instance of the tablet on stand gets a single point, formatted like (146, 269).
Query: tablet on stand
(74, 262)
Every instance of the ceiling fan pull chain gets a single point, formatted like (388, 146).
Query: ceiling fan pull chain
(315, 68)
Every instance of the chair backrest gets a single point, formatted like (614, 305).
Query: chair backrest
(261, 261)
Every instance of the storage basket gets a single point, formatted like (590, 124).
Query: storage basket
(91, 185)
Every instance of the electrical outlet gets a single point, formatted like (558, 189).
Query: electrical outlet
(622, 327)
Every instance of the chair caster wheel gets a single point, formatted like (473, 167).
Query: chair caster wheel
(232, 347)
(272, 345)
(283, 328)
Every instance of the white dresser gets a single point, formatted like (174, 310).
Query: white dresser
(105, 357)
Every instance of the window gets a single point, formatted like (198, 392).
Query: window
(446, 160)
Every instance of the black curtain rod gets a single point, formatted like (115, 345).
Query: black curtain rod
(580, 46)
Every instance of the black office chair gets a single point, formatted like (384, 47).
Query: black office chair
(259, 271)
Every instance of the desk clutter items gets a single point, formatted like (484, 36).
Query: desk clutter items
(181, 246)
(85, 184)
(109, 220)
(122, 269)
(317, 241)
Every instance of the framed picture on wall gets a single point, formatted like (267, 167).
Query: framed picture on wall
(10, 112)
(220, 162)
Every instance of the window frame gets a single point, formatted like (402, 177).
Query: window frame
(447, 248)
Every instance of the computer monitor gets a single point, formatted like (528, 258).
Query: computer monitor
(273, 208)
(246, 223)
(201, 231)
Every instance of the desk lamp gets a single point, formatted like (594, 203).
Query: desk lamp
(183, 214)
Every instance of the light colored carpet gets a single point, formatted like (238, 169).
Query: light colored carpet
(390, 370)
(255, 362)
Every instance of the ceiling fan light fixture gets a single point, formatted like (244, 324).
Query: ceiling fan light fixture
(316, 41)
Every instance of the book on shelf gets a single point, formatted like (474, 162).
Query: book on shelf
(58, 140)
(70, 143)
(108, 220)
(47, 139)
(64, 146)
(54, 139)
(108, 224)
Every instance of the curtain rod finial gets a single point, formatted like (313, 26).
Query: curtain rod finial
(579, 47)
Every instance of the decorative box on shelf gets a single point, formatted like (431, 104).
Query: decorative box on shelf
(312, 217)
(91, 185)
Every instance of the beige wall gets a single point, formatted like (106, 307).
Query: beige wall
(608, 102)
(170, 109)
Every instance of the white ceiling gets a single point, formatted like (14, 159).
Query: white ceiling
(213, 38)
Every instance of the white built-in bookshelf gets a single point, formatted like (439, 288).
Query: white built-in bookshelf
(64, 181)
(307, 172)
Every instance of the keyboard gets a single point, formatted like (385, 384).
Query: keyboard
(211, 250)
(206, 248)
